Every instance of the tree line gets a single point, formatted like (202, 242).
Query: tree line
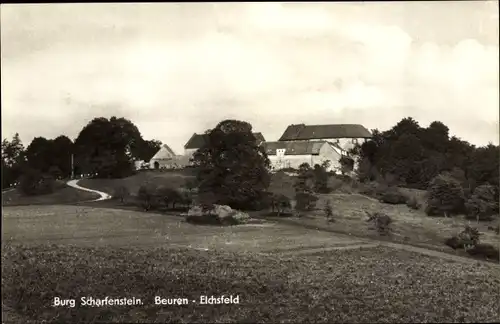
(106, 147)
(234, 168)
(410, 155)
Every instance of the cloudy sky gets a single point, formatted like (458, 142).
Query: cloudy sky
(176, 69)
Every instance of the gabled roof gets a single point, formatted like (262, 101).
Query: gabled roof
(165, 152)
(306, 132)
(198, 140)
(294, 148)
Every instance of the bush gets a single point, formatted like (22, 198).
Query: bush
(328, 212)
(393, 196)
(147, 197)
(33, 183)
(413, 203)
(334, 183)
(278, 203)
(469, 236)
(495, 229)
(305, 201)
(55, 172)
(487, 251)
(167, 196)
(381, 222)
(482, 205)
(467, 239)
(445, 196)
(320, 179)
(122, 193)
(371, 189)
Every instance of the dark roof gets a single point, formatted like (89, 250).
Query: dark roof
(294, 148)
(306, 132)
(198, 140)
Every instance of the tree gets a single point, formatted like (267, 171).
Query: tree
(33, 182)
(320, 179)
(40, 154)
(304, 197)
(304, 182)
(232, 167)
(445, 196)
(108, 147)
(62, 148)
(13, 159)
(148, 149)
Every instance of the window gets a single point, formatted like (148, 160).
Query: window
(354, 141)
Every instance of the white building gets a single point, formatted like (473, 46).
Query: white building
(293, 154)
(315, 143)
(344, 136)
(164, 158)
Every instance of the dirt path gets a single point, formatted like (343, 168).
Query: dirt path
(74, 184)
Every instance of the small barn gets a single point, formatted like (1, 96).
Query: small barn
(164, 158)
(293, 154)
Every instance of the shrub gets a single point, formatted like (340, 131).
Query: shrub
(453, 242)
(445, 196)
(370, 189)
(33, 183)
(122, 193)
(55, 172)
(346, 164)
(320, 179)
(413, 203)
(487, 251)
(393, 196)
(334, 183)
(469, 237)
(190, 185)
(328, 211)
(305, 201)
(167, 196)
(279, 203)
(147, 197)
(482, 205)
(495, 229)
(381, 222)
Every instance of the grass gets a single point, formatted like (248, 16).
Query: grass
(356, 286)
(174, 179)
(409, 226)
(86, 226)
(62, 195)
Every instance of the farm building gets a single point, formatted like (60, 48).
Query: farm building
(164, 158)
(198, 140)
(343, 136)
(293, 154)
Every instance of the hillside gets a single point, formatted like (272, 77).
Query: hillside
(174, 179)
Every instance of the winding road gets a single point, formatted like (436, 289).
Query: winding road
(104, 196)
